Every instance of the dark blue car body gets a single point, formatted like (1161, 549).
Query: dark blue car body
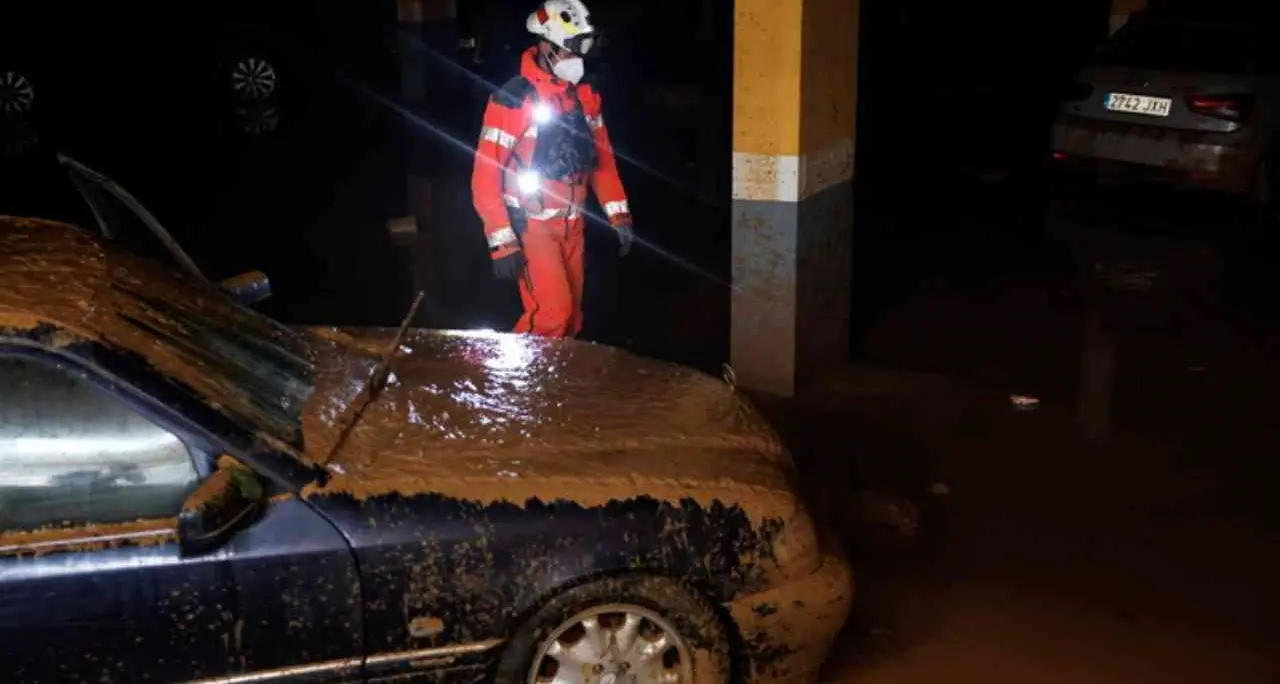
(406, 545)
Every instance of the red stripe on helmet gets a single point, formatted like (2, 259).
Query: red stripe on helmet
(542, 15)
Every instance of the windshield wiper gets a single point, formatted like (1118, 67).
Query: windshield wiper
(375, 383)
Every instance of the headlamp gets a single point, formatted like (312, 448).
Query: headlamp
(541, 113)
(529, 182)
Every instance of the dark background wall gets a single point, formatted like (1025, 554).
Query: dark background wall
(947, 88)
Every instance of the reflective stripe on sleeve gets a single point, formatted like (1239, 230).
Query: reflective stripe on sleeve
(615, 208)
(497, 135)
(501, 236)
(595, 121)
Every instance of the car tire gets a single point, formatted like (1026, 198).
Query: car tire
(635, 613)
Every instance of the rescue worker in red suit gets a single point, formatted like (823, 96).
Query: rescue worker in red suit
(542, 145)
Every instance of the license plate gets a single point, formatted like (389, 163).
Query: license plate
(1139, 104)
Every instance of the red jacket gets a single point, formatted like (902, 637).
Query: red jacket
(507, 141)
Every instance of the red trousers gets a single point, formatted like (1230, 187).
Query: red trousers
(551, 287)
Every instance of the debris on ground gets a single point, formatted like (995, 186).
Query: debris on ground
(1023, 402)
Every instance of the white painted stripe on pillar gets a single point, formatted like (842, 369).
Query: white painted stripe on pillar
(789, 177)
(766, 177)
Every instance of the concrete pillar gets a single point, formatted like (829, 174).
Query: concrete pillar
(795, 99)
(1097, 376)
(428, 33)
(1120, 11)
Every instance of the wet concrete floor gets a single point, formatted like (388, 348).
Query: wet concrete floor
(1049, 558)
(1123, 530)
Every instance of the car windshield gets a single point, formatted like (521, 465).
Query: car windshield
(254, 370)
(1176, 46)
(251, 368)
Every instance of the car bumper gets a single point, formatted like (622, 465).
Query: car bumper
(787, 631)
(1225, 162)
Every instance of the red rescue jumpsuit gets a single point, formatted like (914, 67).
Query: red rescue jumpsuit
(553, 240)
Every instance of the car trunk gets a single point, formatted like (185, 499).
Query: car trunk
(1172, 75)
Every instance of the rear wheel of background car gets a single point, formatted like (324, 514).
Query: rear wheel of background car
(17, 94)
(632, 628)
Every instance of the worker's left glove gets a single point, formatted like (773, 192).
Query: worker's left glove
(625, 237)
(509, 267)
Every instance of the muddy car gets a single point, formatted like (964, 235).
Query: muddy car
(191, 491)
(1178, 100)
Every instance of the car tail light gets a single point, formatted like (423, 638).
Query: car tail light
(1060, 156)
(1229, 107)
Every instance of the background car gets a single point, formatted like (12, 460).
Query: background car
(1178, 100)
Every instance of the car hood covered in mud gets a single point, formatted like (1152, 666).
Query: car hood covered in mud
(497, 420)
(497, 408)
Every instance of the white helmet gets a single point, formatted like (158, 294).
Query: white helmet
(565, 23)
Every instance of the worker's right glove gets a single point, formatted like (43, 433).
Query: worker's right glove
(626, 236)
(509, 267)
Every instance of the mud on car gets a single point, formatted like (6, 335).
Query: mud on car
(191, 491)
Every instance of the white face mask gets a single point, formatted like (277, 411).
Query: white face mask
(568, 69)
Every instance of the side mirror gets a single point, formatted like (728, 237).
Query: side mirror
(222, 505)
(248, 288)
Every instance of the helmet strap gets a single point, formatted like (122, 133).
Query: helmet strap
(546, 57)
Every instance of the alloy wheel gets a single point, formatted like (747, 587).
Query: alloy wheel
(613, 644)
(16, 93)
(254, 78)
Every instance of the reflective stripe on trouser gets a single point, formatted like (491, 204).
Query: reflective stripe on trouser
(551, 289)
(546, 214)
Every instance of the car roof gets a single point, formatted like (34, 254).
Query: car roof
(50, 272)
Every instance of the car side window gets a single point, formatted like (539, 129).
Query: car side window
(71, 453)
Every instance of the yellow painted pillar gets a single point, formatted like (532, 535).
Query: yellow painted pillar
(795, 102)
(1122, 9)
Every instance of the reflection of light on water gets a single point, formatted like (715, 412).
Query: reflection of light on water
(507, 351)
(512, 353)
(479, 334)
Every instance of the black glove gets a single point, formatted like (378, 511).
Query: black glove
(625, 237)
(509, 267)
